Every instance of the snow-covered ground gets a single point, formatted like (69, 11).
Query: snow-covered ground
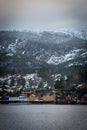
(64, 58)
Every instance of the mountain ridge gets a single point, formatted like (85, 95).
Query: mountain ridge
(30, 50)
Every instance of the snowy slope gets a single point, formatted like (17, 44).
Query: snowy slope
(21, 50)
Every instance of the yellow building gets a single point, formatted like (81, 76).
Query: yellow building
(45, 95)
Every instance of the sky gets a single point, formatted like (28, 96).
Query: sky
(38, 15)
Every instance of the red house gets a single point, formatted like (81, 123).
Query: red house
(84, 99)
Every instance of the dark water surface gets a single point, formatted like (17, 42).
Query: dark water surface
(43, 117)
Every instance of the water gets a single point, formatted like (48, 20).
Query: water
(43, 117)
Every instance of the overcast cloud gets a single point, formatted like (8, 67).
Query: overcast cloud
(42, 14)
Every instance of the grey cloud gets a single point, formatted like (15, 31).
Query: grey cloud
(19, 14)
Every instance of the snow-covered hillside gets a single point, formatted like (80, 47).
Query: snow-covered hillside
(21, 50)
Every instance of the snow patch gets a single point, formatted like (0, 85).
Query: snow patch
(67, 57)
(23, 52)
(83, 54)
(73, 64)
(12, 47)
(9, 54)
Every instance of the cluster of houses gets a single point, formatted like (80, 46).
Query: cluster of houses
(36, 89)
